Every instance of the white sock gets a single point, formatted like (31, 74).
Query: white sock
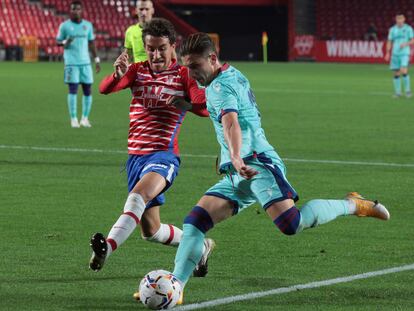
(166, 234)
(169, 235)
(351, 207)
(126, 223)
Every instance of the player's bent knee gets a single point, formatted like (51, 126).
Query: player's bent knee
(73, 88)
(200, 219)
(288, 222)
(87, 89)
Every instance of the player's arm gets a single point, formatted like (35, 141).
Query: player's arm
(92, 48)
(411, 36)
(62, 39)
(233, 136)
(388, 46)
(65, 42)
(196, 96)
(199, 109)
(388, 50)
(122, 77)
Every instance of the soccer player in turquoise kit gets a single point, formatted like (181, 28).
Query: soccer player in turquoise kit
(77, 38)
(400, 37)
(254, 171)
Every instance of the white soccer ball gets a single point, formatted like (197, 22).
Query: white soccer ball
(159, 290)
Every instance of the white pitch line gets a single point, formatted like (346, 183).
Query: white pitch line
(82, 150)
(284, 290)
(320, 92)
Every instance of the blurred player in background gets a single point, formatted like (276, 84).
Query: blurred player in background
(254, 171)
(134, 45)
(77, 38)
(154, 126)
(400, 37)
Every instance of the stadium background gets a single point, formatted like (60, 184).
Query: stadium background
(297, 29)
(335, 125)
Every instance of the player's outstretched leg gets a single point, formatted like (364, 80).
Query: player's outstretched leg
(121, 230)
(190, 250)
(318, 212)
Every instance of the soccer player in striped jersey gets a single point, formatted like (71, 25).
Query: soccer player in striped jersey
(77, 38)
(253, 170)
(400, 38)
(154, 126)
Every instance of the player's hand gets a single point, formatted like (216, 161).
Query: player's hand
(387, 57)
(403, 45)
(67, 42)
(244, 171)
(97, 67)
(179, 103)
(121, 65)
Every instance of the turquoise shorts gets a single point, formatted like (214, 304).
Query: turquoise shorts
(267, 187)
(399, 61)
(78, 74)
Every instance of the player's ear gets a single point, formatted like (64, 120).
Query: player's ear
(213, 58)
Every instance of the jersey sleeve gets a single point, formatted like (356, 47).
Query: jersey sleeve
(128, 43)
(61, 35)
(223, 99)
(111, 85)
(410, 33)
(390, 36)
(91, 35)
(196, 95)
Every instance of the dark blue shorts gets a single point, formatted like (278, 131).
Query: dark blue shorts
(164, 163)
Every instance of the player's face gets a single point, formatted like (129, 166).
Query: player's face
(400, 20)
(159, 52)
(145, 11)
(76, 11)
(202, 68)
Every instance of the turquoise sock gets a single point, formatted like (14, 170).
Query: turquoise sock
(397, 85)
(318, 212)
(189, 252)
(406, 81)
(72, 103)
(86, 105)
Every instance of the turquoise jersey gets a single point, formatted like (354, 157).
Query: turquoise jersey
(399, 35)
(230, 91)
(77, 53)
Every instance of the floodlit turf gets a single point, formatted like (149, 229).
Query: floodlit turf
(52, 201)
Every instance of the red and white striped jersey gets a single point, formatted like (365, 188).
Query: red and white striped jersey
(154, 126)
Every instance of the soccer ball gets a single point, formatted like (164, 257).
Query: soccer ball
(159, 290)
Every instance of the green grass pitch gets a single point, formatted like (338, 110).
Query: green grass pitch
(51, 201)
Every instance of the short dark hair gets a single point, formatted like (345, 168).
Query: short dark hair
(159, 27)
(399, 14)
(136, 2)
(76, 2)
(198, 43)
